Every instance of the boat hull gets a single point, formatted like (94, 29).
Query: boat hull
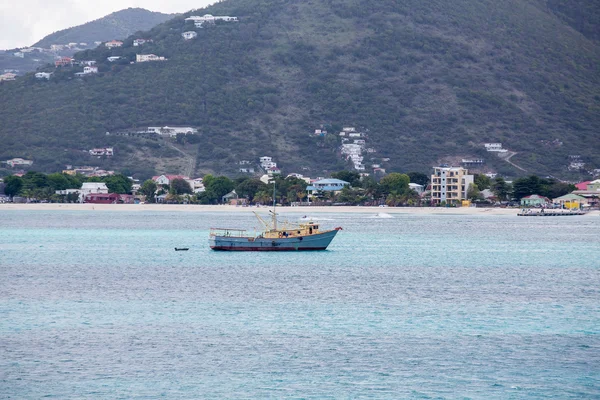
(318, 241)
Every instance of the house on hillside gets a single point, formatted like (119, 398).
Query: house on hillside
(9, 76)
(90, 70)
(43, 75)
(148, 57)
(63, 61)
(172, 131)
(18, 162)
(189, 35)
(139, 42)
(199, 21)
(113, 58)
(494, 147)
(104, 151)
(113, 44)
(273, 171)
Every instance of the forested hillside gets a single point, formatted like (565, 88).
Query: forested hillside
(119, 24)
(428, 80)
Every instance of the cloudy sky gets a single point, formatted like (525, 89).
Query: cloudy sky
(24, 22)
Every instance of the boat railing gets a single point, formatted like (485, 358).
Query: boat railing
(232, 232)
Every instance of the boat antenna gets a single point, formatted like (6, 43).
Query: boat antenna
(274, 202)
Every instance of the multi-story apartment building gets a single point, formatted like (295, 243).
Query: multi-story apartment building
(450, 184)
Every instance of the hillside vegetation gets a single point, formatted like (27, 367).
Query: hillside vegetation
(429, 80)
(116, 25)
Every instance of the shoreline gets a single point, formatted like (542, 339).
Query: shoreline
(238, 209)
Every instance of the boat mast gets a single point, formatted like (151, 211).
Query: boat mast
(274, 215)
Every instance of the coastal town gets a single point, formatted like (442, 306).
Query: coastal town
(447, 186)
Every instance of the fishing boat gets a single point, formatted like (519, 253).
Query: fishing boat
(285, 237)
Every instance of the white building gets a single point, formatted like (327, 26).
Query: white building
(139, 42)
(416, 187)
(197, 185)
(113, 58)
(189, 35)
(172, 131)
(90, 70)
(113, 43)
(148, 57)
(495, 147)
(267, 162)
(166, 179)
(18, 162)
(43, 75)
(9, 76)
(104, 151)
(209, 19)
(92, 188)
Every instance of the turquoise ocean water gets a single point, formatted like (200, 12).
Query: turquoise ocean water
(99, 305)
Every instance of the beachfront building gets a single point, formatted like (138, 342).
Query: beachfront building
(535, 200)
(571, 201)
(450, 185)
(326, 185)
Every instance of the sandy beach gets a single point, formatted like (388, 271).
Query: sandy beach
(229, 209)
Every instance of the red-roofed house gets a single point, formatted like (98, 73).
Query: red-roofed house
(113, 43)
(63, 61)
(582, 185)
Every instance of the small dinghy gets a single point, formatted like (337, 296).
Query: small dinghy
(182, 248)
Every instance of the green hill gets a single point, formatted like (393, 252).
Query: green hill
(115, 25)
(430, 81)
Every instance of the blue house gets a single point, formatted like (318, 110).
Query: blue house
(326, 185)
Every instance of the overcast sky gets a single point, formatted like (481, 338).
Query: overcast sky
(24, 22)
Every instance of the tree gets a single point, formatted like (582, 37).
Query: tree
(351, 177)
(418, 178)
(523, 187)
(118, 183)
(394, 183)
(12, 185)
(217, 187)
(180, 186)
(249, 187)
(482, 181)
(473, 193)
(558, 189)
(263, 197)
(501, 189)
(148, 189)
(58, 181)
